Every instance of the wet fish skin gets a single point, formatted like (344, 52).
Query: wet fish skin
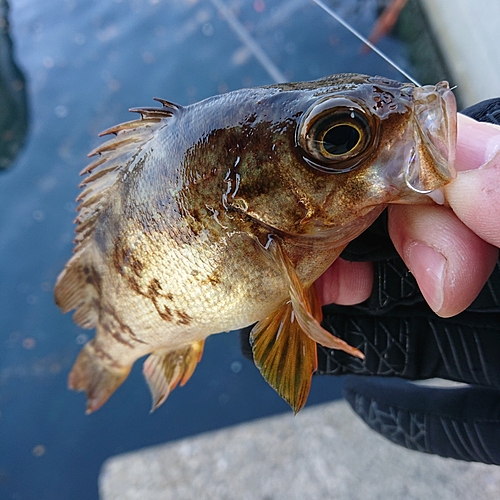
(207, 218)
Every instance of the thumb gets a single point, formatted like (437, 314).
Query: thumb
(474, 195)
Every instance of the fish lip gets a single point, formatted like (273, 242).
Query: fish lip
(431, 161)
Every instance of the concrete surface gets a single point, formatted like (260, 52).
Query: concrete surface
(468, 32)
(324, 452)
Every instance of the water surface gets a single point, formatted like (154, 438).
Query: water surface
(85, 63)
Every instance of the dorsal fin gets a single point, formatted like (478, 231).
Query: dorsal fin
(78, 284)
(114, 158)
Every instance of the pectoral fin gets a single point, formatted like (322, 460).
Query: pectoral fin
(284, 344)
(285, 356)
(165, 369)
(308, 317)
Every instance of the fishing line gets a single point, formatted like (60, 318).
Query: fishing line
(357, 34)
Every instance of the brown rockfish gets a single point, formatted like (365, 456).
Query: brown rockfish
(211, 217)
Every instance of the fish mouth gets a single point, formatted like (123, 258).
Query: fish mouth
(431, 161)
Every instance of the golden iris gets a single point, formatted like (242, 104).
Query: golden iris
(336, 134)
(340, 139)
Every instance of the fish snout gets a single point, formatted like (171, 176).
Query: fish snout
(430, 165)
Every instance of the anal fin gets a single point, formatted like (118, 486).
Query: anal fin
(165, 369)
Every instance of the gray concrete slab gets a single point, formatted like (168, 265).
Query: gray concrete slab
(324, 452)
(469, 32)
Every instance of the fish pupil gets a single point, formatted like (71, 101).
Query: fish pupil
(341, 139)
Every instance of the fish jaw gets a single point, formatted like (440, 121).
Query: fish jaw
(410, 154)
(426, 160)
(435, 138)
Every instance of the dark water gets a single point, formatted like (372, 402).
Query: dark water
(85, 63)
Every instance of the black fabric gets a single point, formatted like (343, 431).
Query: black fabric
(461, 423)
(402, 338)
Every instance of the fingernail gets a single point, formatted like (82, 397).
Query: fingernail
(478, 143)
(428, 266)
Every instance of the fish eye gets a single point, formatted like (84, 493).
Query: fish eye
(336, 135)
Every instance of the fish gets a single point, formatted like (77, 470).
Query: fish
(200, 219)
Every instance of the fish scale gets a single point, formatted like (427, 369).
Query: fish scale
(211, 217)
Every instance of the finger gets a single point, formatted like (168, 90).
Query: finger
(449, 261)
(345, 283)
(477, 143)
(475, 194)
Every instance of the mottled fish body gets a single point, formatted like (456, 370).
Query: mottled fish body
(211, 217)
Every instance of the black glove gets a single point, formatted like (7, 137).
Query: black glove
(401, 337)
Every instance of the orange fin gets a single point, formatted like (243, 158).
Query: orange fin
(94, 376)
(308, 315)
(164, 369)
(285, 356)
(284, 343)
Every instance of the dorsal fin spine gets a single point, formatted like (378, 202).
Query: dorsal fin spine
(78, 285)
(116, 129)
(168, 104)
(151, 112)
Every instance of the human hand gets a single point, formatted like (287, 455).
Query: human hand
(451, 250)
(402, 337)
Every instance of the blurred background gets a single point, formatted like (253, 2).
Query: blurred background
(69, 69)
